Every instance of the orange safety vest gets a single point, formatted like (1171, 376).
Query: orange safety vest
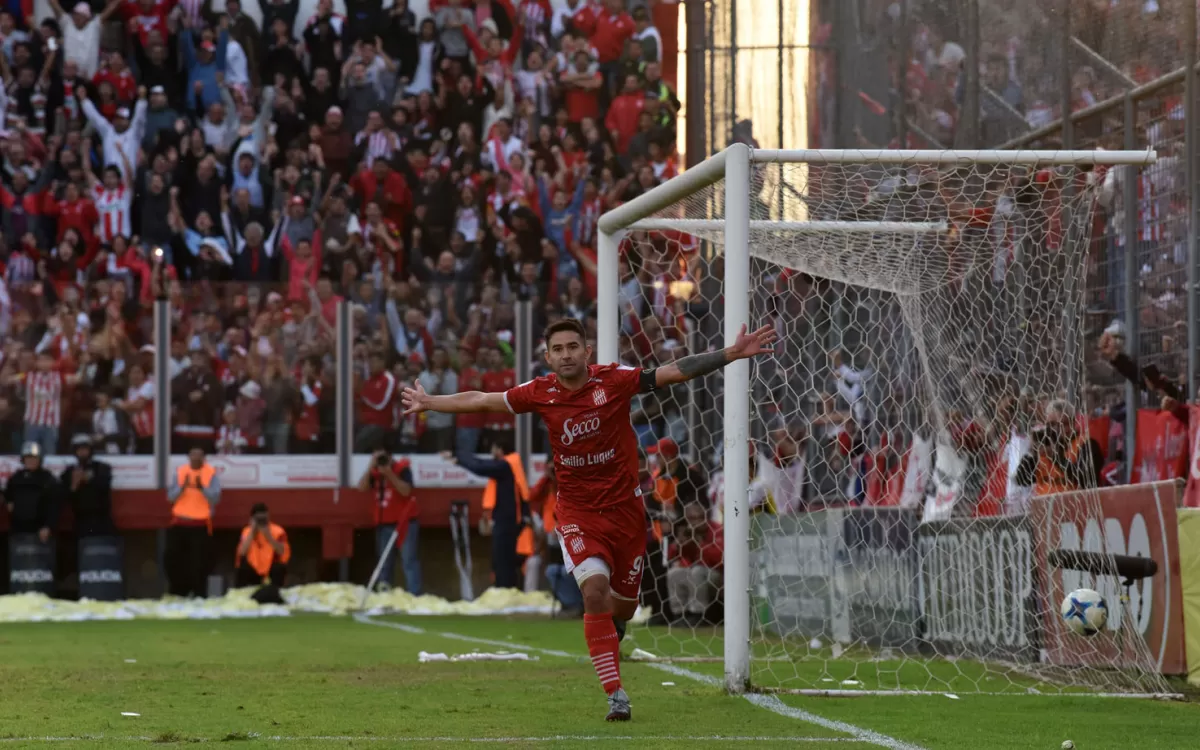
(261, 554)
(518, 470)
(525, 539)
(191, 505)
(666, 491)
(1049, 478)
(548, 510)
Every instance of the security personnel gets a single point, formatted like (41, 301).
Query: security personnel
(264, 552)
(194, 492)
(32, 496)
(88, 489)
(507, 497)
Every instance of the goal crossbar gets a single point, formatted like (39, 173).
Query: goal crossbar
(796, 227)
(734, 166)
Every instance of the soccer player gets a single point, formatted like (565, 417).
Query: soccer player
(601, 518)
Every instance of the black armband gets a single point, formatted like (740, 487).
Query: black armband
(647, 381)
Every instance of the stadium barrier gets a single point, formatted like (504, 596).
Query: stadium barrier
(879, 576)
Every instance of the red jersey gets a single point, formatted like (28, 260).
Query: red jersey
(581, 102)
(393, 196)
(43, 398)
(375, 400)
(145, 22)
(80, 215)
(470, 379)
(594, 446)
(123, 83)
(611, 32)
(499, 381)
(113, 208)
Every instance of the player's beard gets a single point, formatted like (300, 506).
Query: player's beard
(568, 370)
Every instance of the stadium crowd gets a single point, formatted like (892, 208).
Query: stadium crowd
(430, 171)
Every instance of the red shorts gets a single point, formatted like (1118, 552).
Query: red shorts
(616, 536)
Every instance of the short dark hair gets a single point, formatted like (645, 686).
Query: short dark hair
(258, 508)
(566, 325)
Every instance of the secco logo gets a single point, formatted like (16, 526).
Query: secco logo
(582, 428)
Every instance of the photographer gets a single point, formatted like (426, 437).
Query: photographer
(395, 511)
(263, 552)
(1060, 459)
(194, 492)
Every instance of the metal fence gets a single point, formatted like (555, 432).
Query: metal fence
(1002, 74)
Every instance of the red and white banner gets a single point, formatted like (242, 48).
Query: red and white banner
(1160, 447)
(275, 472)
(1137, 520)
(949, 476)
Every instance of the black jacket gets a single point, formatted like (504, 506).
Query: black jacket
(33, 501)
(92, 501)
(510, 511)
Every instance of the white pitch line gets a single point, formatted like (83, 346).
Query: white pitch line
(772, 703)
(482, 740)
(768, 702)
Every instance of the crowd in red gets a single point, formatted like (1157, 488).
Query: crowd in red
(260, 170)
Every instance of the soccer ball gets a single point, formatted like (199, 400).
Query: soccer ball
(1084, 611)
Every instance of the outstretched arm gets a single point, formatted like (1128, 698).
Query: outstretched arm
(415, 401)
(697, 365)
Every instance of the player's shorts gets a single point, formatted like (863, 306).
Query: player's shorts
(615, 537)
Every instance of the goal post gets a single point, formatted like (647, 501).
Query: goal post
(861, 232)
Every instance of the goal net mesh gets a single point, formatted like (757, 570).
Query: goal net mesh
(905, 489)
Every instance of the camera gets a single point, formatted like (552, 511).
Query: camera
(382, 459)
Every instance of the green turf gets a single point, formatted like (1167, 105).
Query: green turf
(309, 677)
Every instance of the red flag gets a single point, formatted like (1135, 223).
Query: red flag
(1160, 447)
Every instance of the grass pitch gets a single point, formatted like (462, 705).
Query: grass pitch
(319, 681)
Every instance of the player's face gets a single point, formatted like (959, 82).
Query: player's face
(568, 354)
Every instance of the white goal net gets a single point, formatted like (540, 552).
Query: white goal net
(915, 452)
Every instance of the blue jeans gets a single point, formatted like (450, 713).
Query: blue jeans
(563, 587)
(45, 437)
(409, 558)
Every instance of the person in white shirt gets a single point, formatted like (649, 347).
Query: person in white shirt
(81, 36)
(123, 136)
(647, 35)
(237, 67)
(564, 13)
